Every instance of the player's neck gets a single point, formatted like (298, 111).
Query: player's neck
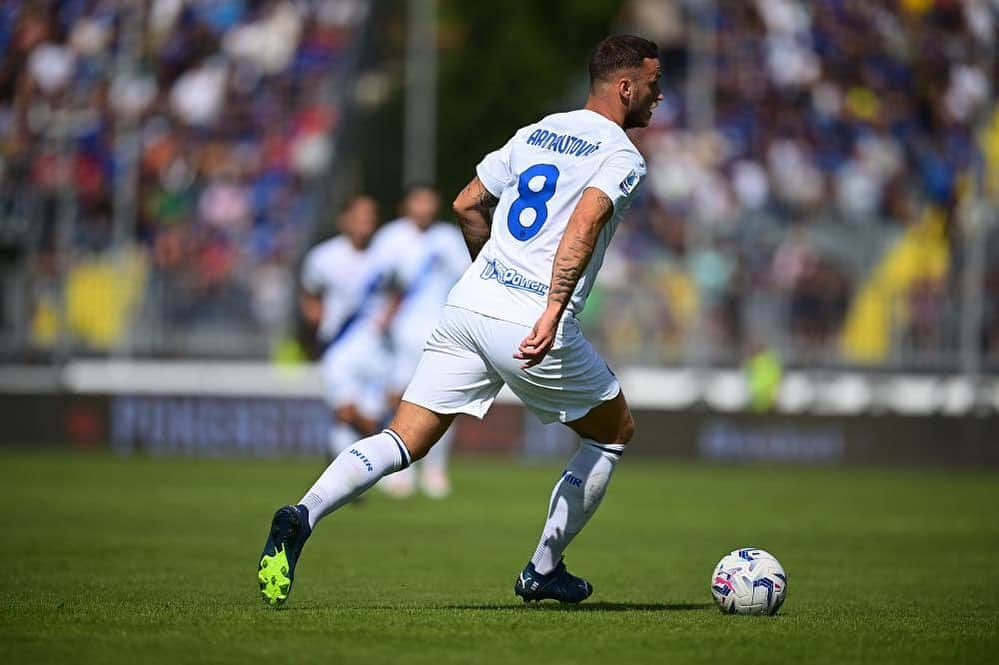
(421, 225)
(598, 105)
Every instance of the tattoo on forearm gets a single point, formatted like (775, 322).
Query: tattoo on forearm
(476, 216)
(574, 252)
(485, 201)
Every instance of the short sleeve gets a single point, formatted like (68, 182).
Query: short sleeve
(494, 170)
(620, 175)
(312, 277)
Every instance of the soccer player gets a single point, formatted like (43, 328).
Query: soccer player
(429, 257)
(345, 298)
(537, 219)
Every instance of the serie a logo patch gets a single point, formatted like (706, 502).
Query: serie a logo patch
(630, 182)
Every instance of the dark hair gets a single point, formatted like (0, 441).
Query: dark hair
(353, 200)
(418, 186)
(620, 52)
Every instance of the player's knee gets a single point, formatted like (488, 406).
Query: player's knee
(419, 428)
(626, 429)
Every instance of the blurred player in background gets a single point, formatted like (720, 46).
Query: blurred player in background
(428, 256)
(345, 299)
(537, 220)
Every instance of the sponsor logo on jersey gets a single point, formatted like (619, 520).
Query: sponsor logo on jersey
(564, 144)
(630, 182)
(512, 278)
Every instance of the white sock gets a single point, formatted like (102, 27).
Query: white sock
(342, 436)
(353, 471)
(574, 500)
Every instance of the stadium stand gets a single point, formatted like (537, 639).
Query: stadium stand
(812, 196)
(817, 206)
(207, 124)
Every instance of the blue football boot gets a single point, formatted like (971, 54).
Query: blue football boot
(276, 571)
(560, 585)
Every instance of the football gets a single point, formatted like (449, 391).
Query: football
(749, 581)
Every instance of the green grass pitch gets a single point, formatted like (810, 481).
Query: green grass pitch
(147, 561)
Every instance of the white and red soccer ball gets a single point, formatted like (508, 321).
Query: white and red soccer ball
(749, 581)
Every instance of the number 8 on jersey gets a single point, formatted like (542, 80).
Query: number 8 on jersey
(532, 204)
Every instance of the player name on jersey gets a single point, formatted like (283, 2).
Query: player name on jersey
(564, 144)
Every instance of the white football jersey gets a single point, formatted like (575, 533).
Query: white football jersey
(539, 177)
(425, 265)
(351, 284)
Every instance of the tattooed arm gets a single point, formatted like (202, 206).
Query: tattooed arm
(571, 257)
(474, 207)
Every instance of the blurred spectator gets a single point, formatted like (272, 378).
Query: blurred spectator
(835, 123)
(225, 105)
(831, 126)
(763, 372)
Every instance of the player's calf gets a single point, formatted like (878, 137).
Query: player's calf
(609, 422)
(575, 498)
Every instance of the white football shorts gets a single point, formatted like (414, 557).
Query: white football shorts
(469, 357)
(355, 371)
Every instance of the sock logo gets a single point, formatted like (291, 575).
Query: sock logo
(357, 453)
(571, 480)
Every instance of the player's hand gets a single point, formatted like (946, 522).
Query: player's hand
(536, 346)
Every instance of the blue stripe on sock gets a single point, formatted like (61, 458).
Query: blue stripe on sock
(403, 452)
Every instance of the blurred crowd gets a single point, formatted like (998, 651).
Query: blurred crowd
(793, 149)
(205, 122)
(810, 170)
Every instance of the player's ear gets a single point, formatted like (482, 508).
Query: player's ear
(625, 88)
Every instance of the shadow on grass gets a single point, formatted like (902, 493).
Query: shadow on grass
(590, 607)
(536, 607)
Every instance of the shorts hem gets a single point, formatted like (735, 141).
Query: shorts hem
(569, 415)
(448, 410)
